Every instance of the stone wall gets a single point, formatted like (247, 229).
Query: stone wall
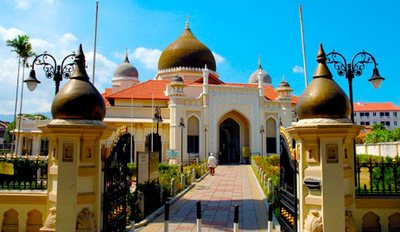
(391, 149)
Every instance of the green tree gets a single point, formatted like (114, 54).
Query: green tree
(23, 48)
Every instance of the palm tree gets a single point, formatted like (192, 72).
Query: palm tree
(23, 48)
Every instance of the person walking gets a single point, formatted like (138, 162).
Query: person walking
(212, 163)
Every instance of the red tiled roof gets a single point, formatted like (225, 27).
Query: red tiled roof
(105, 94)
(375, 106)
(144, 90)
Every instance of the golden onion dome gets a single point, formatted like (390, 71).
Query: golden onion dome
(186, 51)
(78, 98)
(323, 97)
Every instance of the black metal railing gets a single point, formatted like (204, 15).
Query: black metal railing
(23, 173)
(378, 178)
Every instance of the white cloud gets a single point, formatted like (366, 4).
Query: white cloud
(147, 56)
(297, 69)
(26, 4)
(41, 99)
(11, 33)
(40, 45)
(68, 38)
(104, 70)
(218, 58)
(22, 4)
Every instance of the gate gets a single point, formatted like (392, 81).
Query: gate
(115, 184)
(287, 190)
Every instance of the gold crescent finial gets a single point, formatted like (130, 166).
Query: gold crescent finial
(187, 22)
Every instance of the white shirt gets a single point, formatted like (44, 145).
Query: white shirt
(212, 162)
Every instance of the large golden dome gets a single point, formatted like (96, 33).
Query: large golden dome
(187, 51)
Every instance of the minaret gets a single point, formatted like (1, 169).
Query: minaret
(175, 91)
(285, 98)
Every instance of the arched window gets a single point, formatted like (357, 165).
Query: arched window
(34, 221)
(271, 136)
(10, 221)
(193, 135)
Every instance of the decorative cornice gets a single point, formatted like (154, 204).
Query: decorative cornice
(179, 69)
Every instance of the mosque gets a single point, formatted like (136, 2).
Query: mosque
(187, 107)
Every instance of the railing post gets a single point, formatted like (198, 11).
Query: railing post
(270, 222)
(166, 216)
(236, 219)
(198, 220)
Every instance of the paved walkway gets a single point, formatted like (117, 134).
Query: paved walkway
(231, 185)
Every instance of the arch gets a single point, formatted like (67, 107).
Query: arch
(240, 132)
(10, 221)
(371, 223)
(271, 135)
(34, 221)
(394, 222)
(193, 134)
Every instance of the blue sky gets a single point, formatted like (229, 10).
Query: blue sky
(236, 31)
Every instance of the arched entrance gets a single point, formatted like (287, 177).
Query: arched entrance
(154, 146)
(229, 141)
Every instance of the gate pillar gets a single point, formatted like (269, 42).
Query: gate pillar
(74, 188)
(324, 138)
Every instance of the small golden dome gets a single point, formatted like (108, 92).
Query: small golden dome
(323, 97)
(78, 98)
(186, 51)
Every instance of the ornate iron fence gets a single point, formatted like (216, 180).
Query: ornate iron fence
(23, 173)
(378, 178)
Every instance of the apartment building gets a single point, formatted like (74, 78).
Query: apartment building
(370, 113)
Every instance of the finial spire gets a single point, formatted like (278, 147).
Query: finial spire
(126, 56)
(80, 65)
(187, 22)
(284, 78)
(322, 69)
(259, 61)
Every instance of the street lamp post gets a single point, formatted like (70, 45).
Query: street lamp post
(157, 116)
(181, 125)
(355, 68)
(51, 69)
(158, 119)
(262, 140)
(350, 70)
(205, 143)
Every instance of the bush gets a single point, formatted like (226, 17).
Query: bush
(132, 171)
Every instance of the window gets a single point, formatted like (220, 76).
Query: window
(387, 123)
(193, 135)
(361, 114)
(44, 146)
(374, 114)
(367, 123)
(366, 114)
(395, 114)
(362, 123)
(381, 114)
(387, 114)
(395, 123)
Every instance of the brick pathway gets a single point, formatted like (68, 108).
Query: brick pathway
(231, 184)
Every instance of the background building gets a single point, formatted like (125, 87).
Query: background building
(370, 113)
(189, 109)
